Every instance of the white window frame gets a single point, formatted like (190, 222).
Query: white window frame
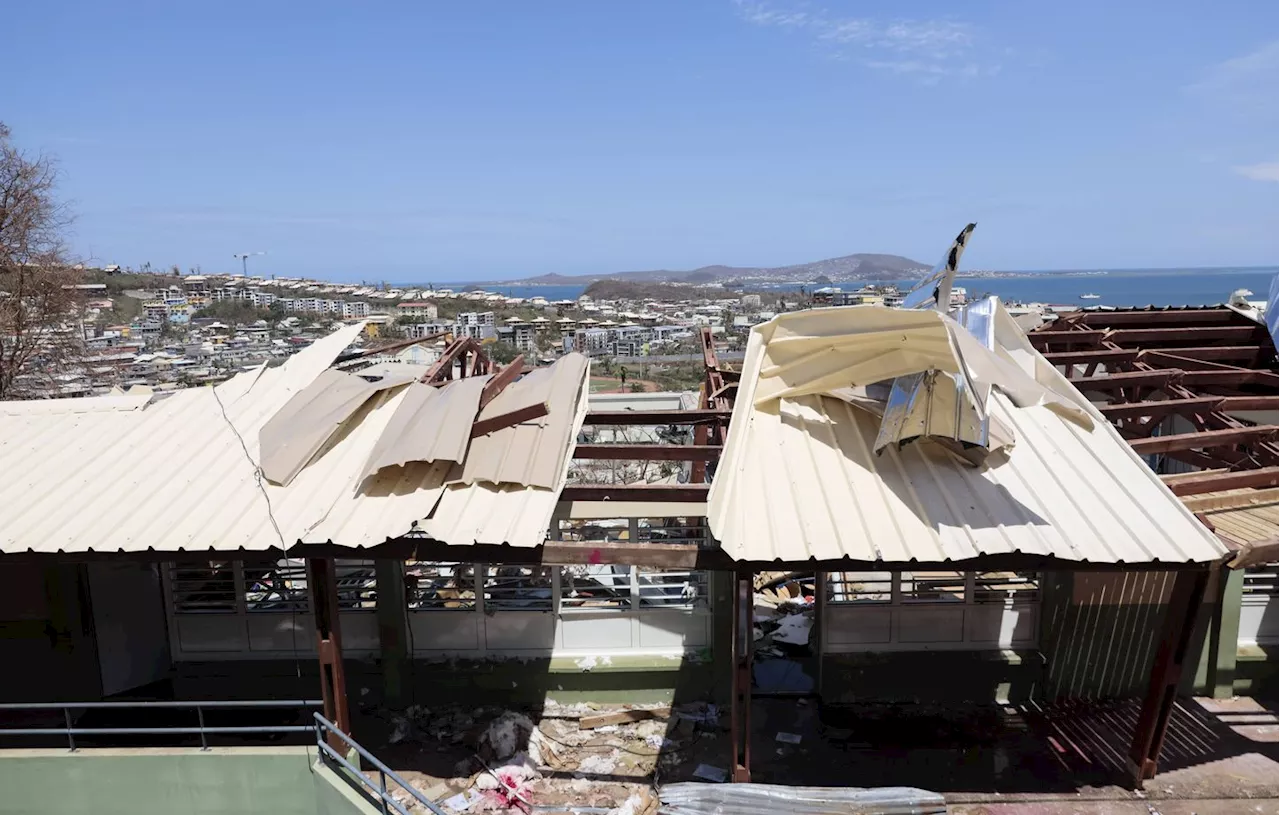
(1258, 606)
(903, 623)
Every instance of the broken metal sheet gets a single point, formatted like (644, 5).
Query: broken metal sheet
(430, 424)
(532, 453)
(1071, 488)
(752, 799)
(298, 431)
(935, 290)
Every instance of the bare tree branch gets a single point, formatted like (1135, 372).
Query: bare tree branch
(40, 337)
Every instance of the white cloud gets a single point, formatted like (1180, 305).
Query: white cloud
(1243, 86)
(1264, 171)
(926, 50)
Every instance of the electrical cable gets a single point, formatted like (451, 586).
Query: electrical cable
(284, 551)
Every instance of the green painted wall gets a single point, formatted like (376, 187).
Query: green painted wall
(1099, 633)
(271, 781)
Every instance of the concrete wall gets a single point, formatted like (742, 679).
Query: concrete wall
(271, 781)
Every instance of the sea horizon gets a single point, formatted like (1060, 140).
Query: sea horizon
(1189, 286)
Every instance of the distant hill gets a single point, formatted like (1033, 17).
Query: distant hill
(850, 267)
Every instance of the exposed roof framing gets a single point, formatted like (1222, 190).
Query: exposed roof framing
(1203, 367)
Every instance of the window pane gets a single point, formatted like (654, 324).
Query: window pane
(998, 587)
(208, 588)
(663, 589)
(859, 587)
(434, 585)
(517, 588)
(932, 587)
(595, 588)
(275, 585)
(357, 585)
(1261, 581)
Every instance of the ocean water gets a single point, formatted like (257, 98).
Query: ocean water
(1140, 287)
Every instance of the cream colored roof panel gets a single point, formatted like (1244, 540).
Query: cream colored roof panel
(799, 481)
(515, 514)
(430, 424)
(180, 473)
(533, 452)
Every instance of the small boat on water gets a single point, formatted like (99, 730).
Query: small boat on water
(1091, 297)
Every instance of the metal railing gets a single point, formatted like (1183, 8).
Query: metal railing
(70, 730)
(325, 728)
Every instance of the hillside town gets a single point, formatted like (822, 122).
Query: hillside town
(197, 329)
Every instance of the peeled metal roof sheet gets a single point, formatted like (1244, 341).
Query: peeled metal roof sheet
(532, 452)
(175, 476)
(799, 481)
(430, 424)
(513, 514)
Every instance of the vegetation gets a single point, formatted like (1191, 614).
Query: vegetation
(502, 352)
(238, 312)
(638, 290)
(37, 294)
(681, 376)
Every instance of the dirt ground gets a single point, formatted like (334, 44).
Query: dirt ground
(1220, 757)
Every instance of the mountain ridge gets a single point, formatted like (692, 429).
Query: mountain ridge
(859, 266)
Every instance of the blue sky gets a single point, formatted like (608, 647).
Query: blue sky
(479, 140)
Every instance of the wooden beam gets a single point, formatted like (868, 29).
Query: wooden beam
(1189, 335)
(1125, 379)
(1041, 339)
(1212, 352)
(1202, 441)
(632, 553)
(1198, 483)
(680, 493)
(322, 580)
(1166, 672)
(655, 417)
(1236, 499)
(1153, 317)
(1170, 359)
(1086, 357)
(524, 414)
(499, 381)
(1241, 403)
(1234, 378)
(1256, 554)
(1162, 407)
(648, 452)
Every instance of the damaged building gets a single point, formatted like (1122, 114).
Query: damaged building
(898, 508)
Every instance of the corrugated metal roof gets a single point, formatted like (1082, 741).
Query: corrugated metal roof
(430, 424)
(799, 481)
(531, 452)
(176, 476)
(479, 512)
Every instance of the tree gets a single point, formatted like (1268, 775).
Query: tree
(502, 352)
(38, 299)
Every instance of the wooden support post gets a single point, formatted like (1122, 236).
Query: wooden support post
(393, 634)
(1166, 671)
(333, 682)
(740, 707)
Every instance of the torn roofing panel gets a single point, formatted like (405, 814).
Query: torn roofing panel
(799, 481)
(293, 436)
(535, 452)
(430, 424)
(512, 514)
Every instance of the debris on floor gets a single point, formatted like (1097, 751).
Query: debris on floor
(706, 799)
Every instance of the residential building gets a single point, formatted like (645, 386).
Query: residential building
(420, 309)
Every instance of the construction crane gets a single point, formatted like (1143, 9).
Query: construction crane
(244, 260)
